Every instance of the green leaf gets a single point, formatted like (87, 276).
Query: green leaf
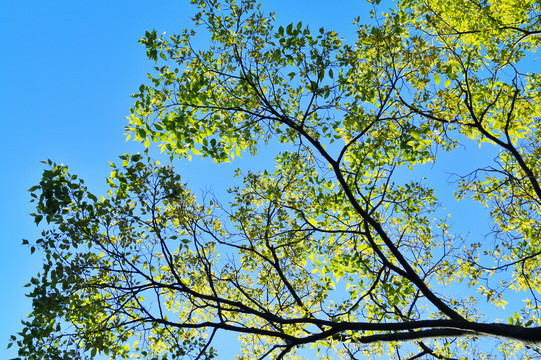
(289, 29)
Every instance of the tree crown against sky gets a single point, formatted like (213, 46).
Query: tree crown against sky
(339, 245)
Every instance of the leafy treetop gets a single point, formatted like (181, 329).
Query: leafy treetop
(338, 246)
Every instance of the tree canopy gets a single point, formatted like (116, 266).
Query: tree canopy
(339, 245)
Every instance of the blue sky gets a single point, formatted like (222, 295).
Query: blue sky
(68, 69)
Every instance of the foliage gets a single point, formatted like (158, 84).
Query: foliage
(340, 247)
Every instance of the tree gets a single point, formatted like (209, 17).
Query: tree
(341, 246)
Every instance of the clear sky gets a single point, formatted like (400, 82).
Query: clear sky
(68, 69)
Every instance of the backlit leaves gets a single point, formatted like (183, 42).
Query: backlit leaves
(339, 242)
